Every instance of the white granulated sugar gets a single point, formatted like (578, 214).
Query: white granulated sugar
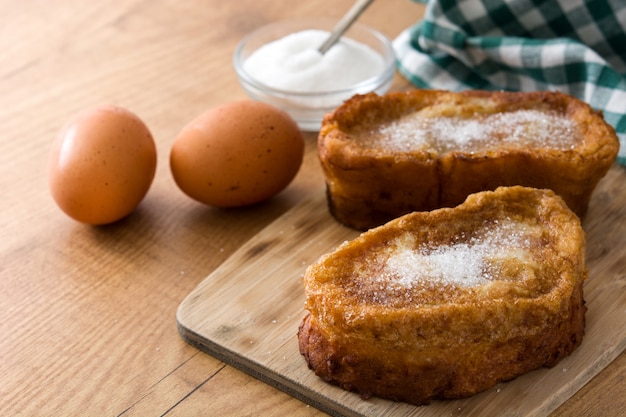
(465, 264)
(293, 63)
(458, 264)
(516, 129)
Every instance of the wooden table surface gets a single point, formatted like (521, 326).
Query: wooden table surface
(87, 314)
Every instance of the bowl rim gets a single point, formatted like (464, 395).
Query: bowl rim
(375, 81)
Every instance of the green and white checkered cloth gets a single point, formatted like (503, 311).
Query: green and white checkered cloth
(573, 46)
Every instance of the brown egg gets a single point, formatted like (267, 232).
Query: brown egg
(237, 154)
(101, 165)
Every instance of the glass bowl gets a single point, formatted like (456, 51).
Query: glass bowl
(309, 108)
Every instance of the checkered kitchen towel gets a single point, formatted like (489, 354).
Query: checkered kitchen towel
(574, 46)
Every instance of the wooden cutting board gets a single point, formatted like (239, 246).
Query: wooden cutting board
(247, 313)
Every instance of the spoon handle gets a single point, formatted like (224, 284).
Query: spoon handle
(346, 21)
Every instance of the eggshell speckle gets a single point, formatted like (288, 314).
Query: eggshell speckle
(101, 165)
(237, 154)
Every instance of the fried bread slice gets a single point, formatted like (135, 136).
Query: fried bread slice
(384, 156)
(445, 304)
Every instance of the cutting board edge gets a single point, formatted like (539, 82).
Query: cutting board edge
(304, 393)
(582, 379)
(334, 408)
(250, 367)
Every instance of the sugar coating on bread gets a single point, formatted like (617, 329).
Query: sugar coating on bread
(445, 304)
(384, 156)
(516, 129)
(468, 262)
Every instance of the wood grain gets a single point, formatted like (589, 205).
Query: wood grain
(255, 331)
(87, 315)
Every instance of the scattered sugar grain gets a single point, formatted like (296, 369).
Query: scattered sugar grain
(459, 264)
(518, 129)
(465, 263)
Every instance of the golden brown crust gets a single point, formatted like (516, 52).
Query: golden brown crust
(369, 183)
(415, 336)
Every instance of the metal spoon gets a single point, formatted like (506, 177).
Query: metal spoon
(346, 21)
